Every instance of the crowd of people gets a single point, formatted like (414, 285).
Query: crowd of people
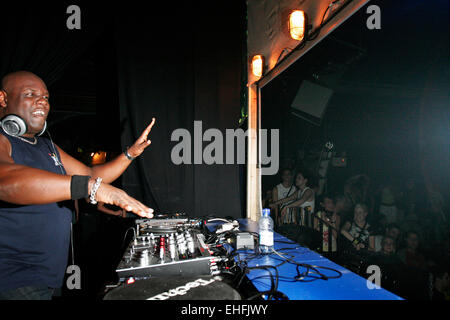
(403, 230)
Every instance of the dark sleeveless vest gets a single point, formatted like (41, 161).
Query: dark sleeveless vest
(34, 239)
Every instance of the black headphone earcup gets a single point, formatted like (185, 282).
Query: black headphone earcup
(43, 130)
(14, 125)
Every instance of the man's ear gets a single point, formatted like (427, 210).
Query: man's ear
(3, 98)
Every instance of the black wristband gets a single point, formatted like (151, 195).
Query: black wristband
(79, 187)
(129, 157)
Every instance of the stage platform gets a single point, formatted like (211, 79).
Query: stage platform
(349, 286)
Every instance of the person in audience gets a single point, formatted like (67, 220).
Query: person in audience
(326, 222)
(357, 231)
(302, 199)
(357, 190)
(436, 214)
(411, 222)
(442, 251)
(283, 190)
(410, 255)
(388, 245)
(392, 231)
(440, 284)
(267, 199)
(409, 197)
(435, 199)
(388, 206)
(343, 207)
(390, 265)
(379, 223)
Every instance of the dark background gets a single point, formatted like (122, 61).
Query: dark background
(128, 64)
(389, 109)
(190, 70)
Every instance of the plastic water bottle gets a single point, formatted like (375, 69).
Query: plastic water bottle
(265, 225)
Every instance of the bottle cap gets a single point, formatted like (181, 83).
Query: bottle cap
(266, 212)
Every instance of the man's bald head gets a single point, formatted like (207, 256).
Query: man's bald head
(11, 80)
(25, 94)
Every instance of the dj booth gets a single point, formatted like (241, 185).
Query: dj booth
(188, 265)
(348, 286)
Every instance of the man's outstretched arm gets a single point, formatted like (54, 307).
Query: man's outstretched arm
(24, 185)
(113, 169)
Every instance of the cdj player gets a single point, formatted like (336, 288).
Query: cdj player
(167, 247)
(174, 257)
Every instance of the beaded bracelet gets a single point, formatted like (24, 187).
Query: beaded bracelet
(94, 190)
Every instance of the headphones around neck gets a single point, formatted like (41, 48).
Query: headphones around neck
(15, 126)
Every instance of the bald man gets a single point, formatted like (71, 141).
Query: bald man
(35, 177)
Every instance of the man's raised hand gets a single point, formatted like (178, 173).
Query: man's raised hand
(142, 142)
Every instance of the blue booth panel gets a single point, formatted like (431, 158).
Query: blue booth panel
(349, 286)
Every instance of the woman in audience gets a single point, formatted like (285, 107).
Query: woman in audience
(303, 198)
(357, 231)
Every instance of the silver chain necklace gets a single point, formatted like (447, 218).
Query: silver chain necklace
(27, 141)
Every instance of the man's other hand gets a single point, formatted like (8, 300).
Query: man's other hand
(111, 195)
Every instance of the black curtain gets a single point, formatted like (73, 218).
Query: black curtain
(179, 63)
(34, 37)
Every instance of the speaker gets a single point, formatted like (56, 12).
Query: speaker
(15, 126)
(310, 102)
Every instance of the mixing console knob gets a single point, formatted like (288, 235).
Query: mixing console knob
(191, 247)
(172, 248)
(162, 248)
(182, 247)
(143, 259)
